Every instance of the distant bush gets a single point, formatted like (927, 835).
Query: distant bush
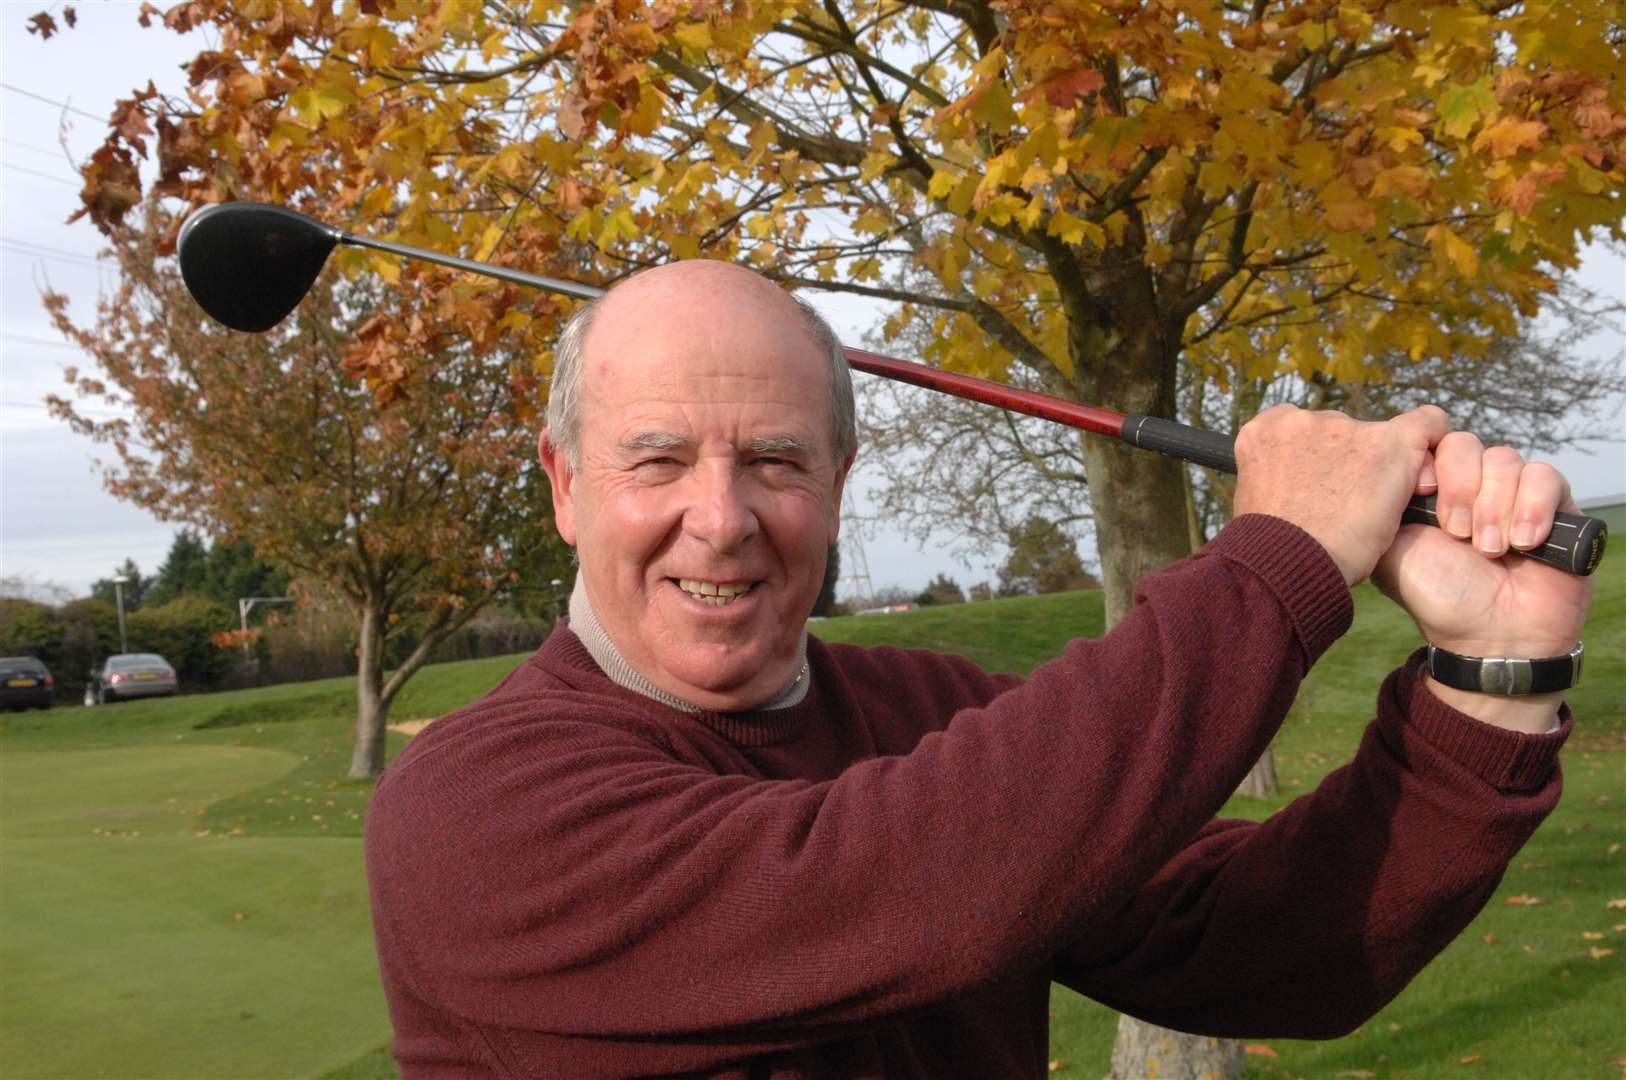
(70, 639)
(29, 628)
(494, 633)
(179, 631)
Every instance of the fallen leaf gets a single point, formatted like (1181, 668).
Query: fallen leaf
(1489, 939)
(1614, 849)
(1617, 905)
(1259, 1050)
(1526, 901)
(1620, 928)
(1057, 1066)
(1591, 935)
(239, 916)
(1469, 1060)
(1358, 1074)
(1598, 954)
(1528, 949)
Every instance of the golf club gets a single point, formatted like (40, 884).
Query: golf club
(249, 264)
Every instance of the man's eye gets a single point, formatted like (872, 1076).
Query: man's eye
(773, 461)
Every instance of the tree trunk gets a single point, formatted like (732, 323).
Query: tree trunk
(1246, 400)
(1139, 503)
(1144, 1051)
(1260, 783)
(1138, 499)
(372, 708)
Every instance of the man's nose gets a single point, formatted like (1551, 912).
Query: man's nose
(722, 514)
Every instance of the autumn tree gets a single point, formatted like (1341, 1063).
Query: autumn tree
(1097, 188)
(941, 589)
(1042, 559)
(222, 570)
(131, 583)
(418, 512)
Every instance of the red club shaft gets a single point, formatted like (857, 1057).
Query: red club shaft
(1071, 413)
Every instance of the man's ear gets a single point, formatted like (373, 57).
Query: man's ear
(556, 464)
(841, 485)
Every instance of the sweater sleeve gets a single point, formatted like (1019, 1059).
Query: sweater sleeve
(566, 874)
(1306, 924)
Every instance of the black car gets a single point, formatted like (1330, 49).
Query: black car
(130, 675)
(25, 683)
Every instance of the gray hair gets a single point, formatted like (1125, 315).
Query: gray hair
(564, 387)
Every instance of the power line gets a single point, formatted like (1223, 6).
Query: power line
(76, 260)
(59, 104)
(48, 249)
(8, 336)
(27, 146)
(36, 172)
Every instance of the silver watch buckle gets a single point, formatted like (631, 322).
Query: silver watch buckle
(1504, 675)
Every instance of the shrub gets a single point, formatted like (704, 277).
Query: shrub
(180, 631)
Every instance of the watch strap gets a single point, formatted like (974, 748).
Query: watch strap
(1505, 675)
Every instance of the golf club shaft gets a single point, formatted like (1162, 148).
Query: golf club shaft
(501, 273)
(1576, 543)
(285, 251)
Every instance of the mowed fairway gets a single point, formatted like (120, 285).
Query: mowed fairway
(133, 947)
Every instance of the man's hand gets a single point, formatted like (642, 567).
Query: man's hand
(1466, 590)
(1343, 481)
(1346, 483)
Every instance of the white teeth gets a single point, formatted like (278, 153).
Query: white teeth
(711, 593)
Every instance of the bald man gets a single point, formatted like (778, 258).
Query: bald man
(684, 838)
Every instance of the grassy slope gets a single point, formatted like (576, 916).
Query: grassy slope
(133, 836)
(1530, 1002)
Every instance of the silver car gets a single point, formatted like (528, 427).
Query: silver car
(130, 675)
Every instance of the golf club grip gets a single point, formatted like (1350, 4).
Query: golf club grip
(1575, 545)
(1198, 445)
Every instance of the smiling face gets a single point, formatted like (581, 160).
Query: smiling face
(707, 491)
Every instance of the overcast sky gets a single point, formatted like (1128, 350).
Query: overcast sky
(57, 524)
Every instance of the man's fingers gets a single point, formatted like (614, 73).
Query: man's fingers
(1542, 491)
(1500, 469)
(1457, 460)
(1429, 425)
(1428, 420)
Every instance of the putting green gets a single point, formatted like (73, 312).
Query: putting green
(134, 948)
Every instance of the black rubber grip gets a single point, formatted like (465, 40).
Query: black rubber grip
(1199, 445)
(1576, 543)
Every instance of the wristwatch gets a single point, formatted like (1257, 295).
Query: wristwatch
(1505, 675)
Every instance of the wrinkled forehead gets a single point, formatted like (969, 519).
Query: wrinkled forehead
(709, 331)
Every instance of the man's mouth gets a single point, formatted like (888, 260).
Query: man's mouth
(715, 593)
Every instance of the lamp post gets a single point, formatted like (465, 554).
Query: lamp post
(118, 596)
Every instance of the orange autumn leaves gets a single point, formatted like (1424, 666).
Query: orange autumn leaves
(1414, 172)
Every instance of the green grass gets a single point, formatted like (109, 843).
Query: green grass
(1535, 1004)
(181, 892)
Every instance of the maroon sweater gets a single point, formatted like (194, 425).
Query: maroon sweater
(572, 880)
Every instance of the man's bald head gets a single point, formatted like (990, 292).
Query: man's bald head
(706, 291)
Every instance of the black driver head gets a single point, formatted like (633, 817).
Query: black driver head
(248, 264)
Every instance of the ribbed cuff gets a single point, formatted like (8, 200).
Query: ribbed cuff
(1510, 761)
(1298, 570)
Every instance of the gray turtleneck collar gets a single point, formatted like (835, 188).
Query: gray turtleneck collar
(585, 625)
